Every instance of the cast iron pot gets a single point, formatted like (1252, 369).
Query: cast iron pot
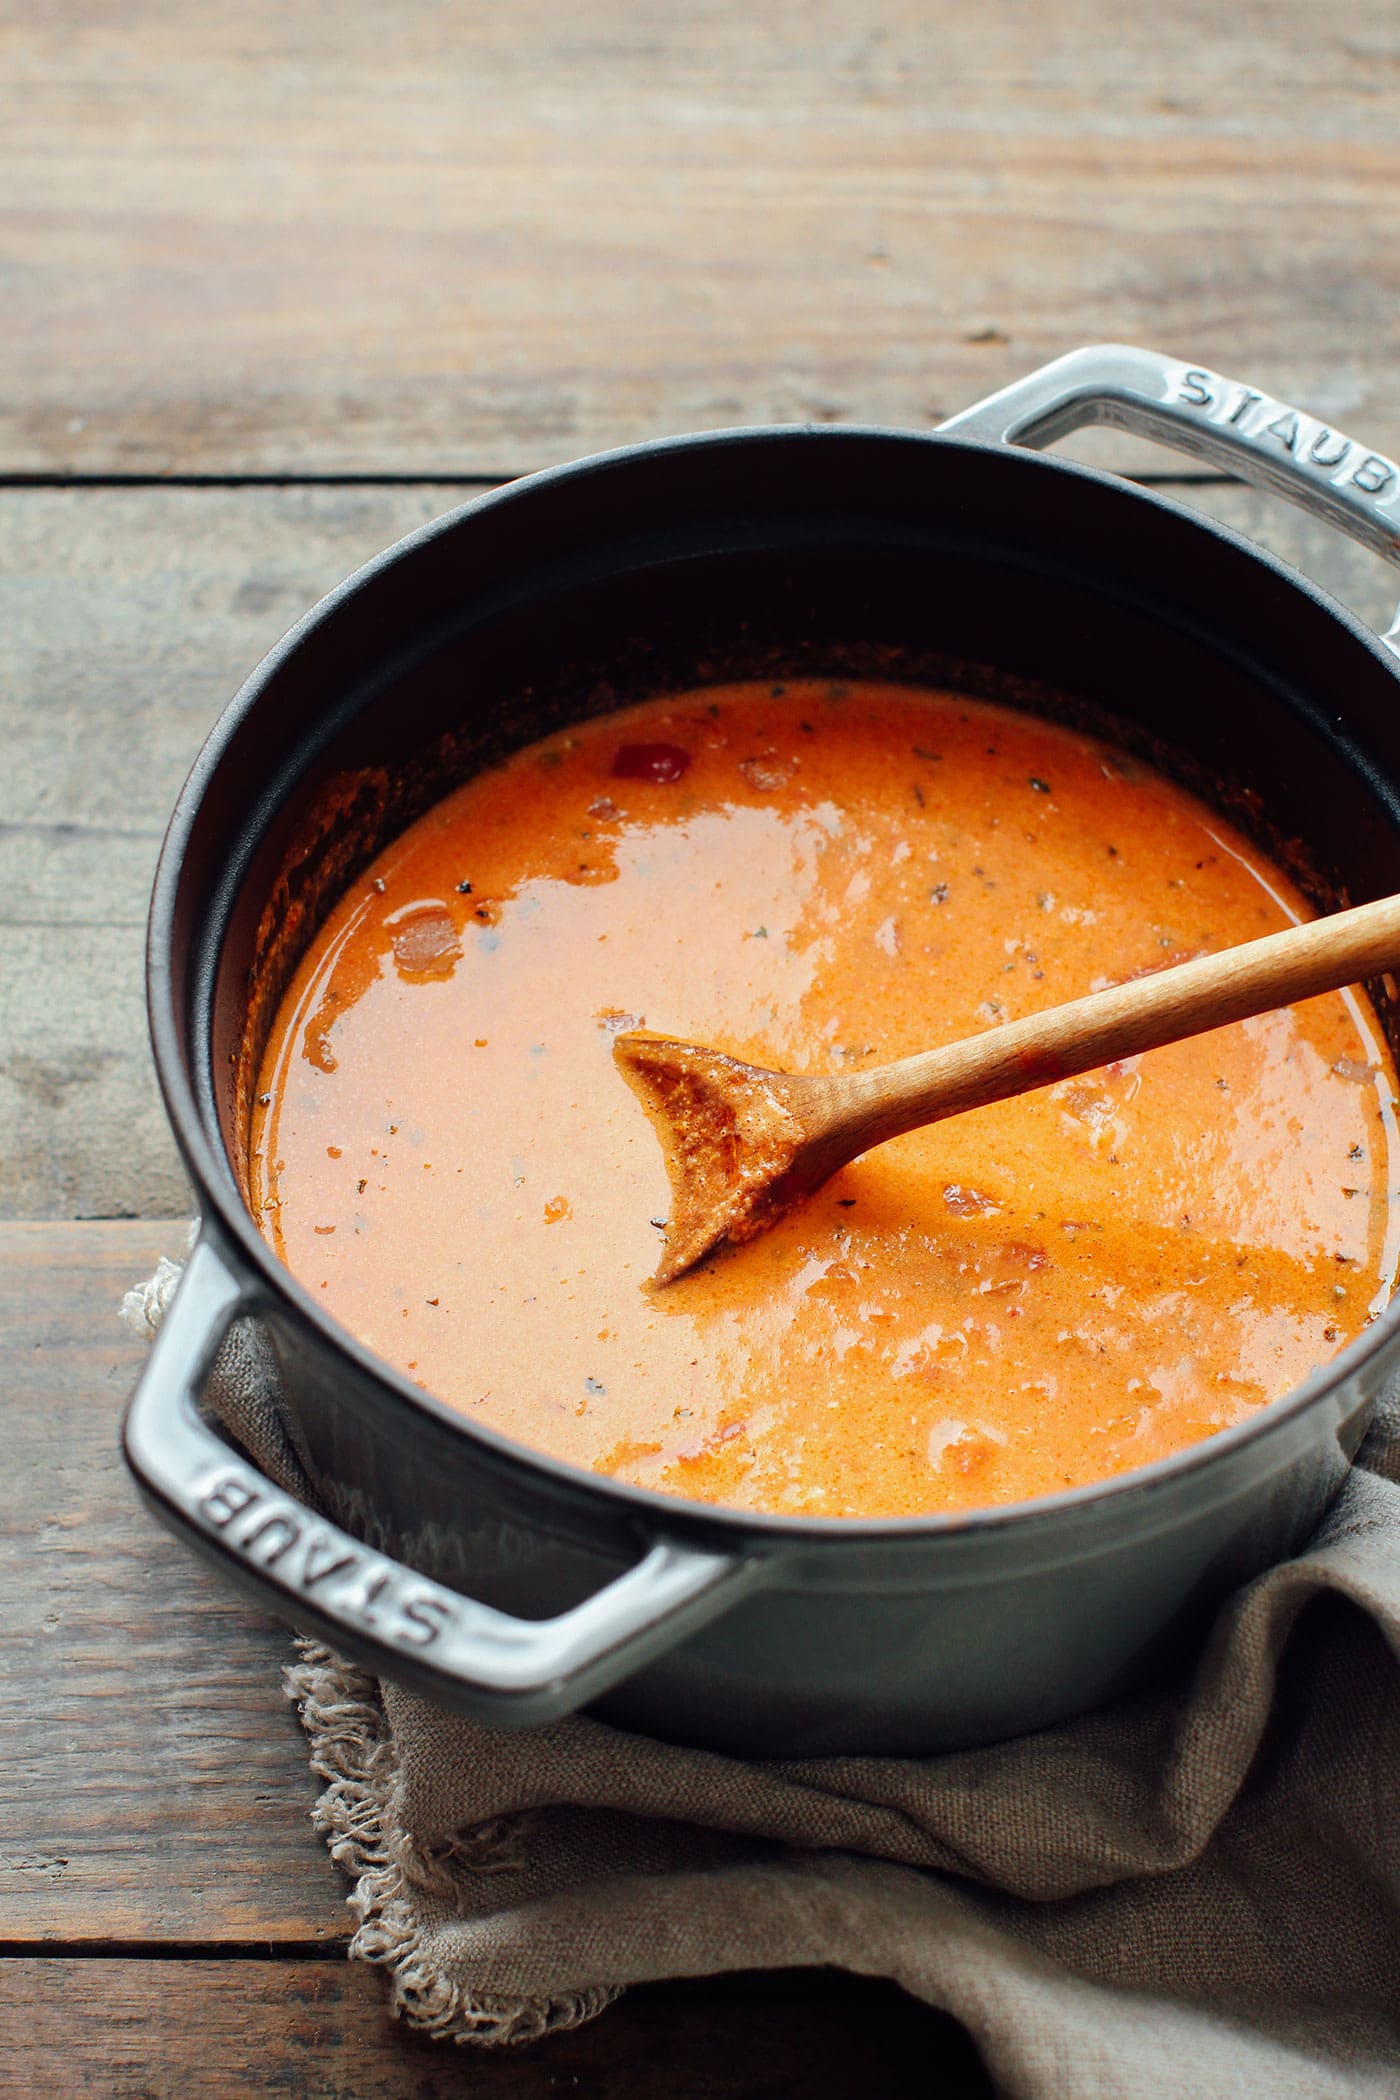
(518, 1588)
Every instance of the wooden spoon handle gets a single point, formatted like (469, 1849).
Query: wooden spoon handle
(1145, 1013)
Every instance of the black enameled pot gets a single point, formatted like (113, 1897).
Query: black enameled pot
(516, 1587)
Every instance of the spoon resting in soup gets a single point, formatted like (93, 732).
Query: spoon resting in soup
(743, 1145)
(822, 877)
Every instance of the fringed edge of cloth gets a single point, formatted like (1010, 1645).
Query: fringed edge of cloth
(352, 1750)
(144, 1306)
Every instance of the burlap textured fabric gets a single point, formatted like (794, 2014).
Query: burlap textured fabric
(1194, 1893)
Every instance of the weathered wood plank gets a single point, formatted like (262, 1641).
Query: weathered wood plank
(154, 1784)
(480, 239)
(137, 2030)
(127, 619)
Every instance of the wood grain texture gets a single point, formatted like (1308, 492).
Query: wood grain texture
(127, 619)
(413, 238)
(154, 1785)
(134, 2030)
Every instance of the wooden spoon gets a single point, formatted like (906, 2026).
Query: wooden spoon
(743, 1144)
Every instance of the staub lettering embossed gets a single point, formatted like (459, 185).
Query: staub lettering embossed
(272, 1532)
(1266, 425)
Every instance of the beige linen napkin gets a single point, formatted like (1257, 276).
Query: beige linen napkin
(1193, 1893)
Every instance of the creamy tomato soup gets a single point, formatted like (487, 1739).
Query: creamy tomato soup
(818, 876)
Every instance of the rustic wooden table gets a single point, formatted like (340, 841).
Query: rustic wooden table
(278, 283)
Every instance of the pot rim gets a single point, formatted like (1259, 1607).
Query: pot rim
(657, 1512)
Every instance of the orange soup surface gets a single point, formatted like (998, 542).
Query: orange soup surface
(818, 876)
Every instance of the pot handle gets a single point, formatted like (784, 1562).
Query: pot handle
(1194, 410)
(398, 1623)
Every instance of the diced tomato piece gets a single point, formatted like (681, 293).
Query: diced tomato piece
(659, 763)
